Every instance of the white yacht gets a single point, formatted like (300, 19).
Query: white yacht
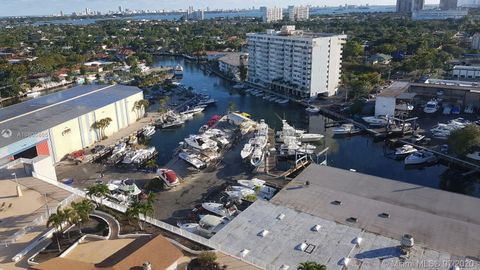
(220, 210)
(474, 155)
(312, 109)
(148, 131)
(431, 107)
(189, 227)
(247, 149)
(201, 142)
(406, 149)
(255, 182)
(119, 148)
(129, 157)
(257, 157)
(302, 136)
(345, 129)
(283, 101)
(376, 120)
(209, 225)
(178, 71)
(143, 154)
(193, 159)
(33, 94)
(194, 110)
(207, 101)
(169, 177)
(239, 192)
(420, 157)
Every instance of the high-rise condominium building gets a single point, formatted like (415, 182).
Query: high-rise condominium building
(271, 14)
(295, 63)
(448, 4)
(408, 6)
(298, 13)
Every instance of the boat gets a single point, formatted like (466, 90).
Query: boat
(178, 71)
(406, 149)
(33, 94)
(474, 155)
(312, 109)
(194, 110)
(420, 157)
(143, 155)
(417, 138)
(456, 109)
(189, 227)
(247, 149)
(283, 101)
(238, 86)
(220, 209)
(469, 109)
(169, 177)
(192, 159)
(257, 157)
(201, 142)
(431, 107)
(310, 137)
(376, 120)
(239, 192)
(345, 129)
(172, 124)
(148, 131)
(209, 225)
(255, 182)
(207, 101)
(129, 157)
(119, 148)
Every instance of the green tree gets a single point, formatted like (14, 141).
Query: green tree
(232, 106)
(98, 190)
(151, 164)
(464, 140)
(140, 106)
(311, 266)
(82, 211)
(56, 220)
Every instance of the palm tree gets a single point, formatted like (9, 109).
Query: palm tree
(133, 214)
(311, 266)
(83, 210)
(98, 190)
(69, 215)
(104, 123)
(56, 220)
(139, 106)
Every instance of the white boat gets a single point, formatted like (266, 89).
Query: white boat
(178, 71)
(129, 157)
(193, 159)
(143, 155)
(406, 149)
(420, 157)
(119, 148)
(169, 177)
(33, 94)
(312, 109)
(172, 124)
(257, 157)
(431, 107)
(345, 129)
(201, 142)
(310, 137)
(219, 209)
(238, 86)
(207, 101)
(194, 110)
(474, 155)
(255, 182)
(283, 101)
(148, 131)
(189, 227)
(239, 192)
(247, 149)
(375, 120)
(417, 137)
(209, 225)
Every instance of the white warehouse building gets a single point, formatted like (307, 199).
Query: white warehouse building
(466, 72)
(296, 63)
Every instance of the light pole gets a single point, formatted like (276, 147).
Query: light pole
(19, 190)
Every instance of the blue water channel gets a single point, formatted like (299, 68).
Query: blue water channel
(358, 152)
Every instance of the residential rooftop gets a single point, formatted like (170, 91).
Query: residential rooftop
(232, 59)
(397, 89)
(40, 114)
(347, 205)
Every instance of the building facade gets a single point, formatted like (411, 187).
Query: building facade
(408, 6)
(295, 63)
(298, 13)
(271, 14)
(435, 14)
(466, 72)
(448, 4)
(61, 123)
(475, 42)
(231, 65)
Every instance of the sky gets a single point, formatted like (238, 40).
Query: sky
(49, 7)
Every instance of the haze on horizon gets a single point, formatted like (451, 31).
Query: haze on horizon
(49, 7)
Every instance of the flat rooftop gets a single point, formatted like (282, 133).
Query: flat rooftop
(437, 219)
(396, 89)
(232, 59)
(445, 226)
(39, 114)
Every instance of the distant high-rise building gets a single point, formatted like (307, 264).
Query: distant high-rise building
(61, 13)
(271, 14)
(120, 9)
(409, 6)
(448, 4)
(298, 13)
(295, 63)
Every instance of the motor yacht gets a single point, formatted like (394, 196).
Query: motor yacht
(406, 149)
(420, 157)
(312, 109)
(201, 142)
(431, 107)
(220, 209)
(192, 159)
(148, 131)
(376, 120)
(345, 129)
(169, 177)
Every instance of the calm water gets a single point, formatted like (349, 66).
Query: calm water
(217, 15)
(358, 152)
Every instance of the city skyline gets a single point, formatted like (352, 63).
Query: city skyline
(49, 7)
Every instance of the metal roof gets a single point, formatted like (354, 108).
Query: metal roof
(39, 114)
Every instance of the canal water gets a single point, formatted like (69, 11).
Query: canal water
(358, 152)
